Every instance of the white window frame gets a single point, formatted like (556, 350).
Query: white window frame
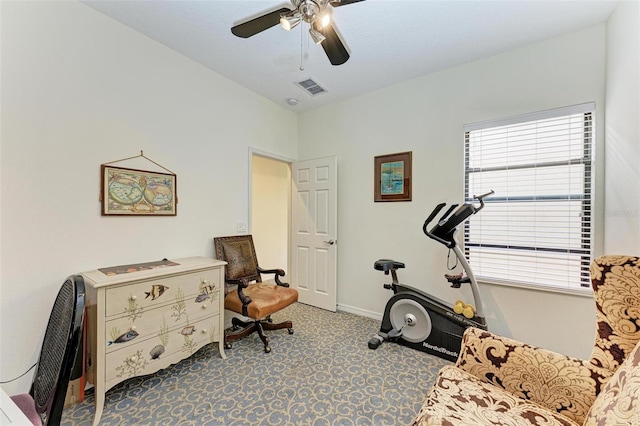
(526, 265)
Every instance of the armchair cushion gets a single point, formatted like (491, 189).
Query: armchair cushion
(458, 398)
(265, 299)
(562, 384)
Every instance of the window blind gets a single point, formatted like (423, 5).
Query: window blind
(537, 228)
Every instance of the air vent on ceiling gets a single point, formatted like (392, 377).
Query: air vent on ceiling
(311, 87)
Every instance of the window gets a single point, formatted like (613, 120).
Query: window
(536, 230)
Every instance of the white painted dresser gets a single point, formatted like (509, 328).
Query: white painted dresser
(143, 321)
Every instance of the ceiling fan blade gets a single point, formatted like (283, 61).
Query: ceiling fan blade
(259, 24)
(333, 46)
(337, 3)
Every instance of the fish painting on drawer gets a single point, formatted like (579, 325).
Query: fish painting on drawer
(188, 330)
(207, 292)
(207, 288)
(124, 337)
(157, 290)
(202, 297)
(156, 351)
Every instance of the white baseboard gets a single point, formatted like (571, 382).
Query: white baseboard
(361, 312)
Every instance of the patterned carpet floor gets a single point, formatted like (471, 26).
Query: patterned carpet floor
(323, 374)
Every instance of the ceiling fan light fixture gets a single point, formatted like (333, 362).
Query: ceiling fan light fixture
(290, 21)
(325, 19)
(316, 36)
(316, 13)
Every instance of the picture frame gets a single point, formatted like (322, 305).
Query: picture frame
(392, 177)
(132, 192)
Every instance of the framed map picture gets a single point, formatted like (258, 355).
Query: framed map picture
(137, 192)
(392, 177)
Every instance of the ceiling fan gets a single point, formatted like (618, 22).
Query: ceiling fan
(316, 13)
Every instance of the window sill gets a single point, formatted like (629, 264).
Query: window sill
(580, 292)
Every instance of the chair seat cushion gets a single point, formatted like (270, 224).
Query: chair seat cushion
(27, 405)
(460, 399)
(265, 299)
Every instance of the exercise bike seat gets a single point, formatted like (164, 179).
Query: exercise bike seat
(387, 265)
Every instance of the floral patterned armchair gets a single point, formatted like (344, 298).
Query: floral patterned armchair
(500, 381)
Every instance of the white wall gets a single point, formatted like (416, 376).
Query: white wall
(622, 214)
(426, 116)
(78, 90)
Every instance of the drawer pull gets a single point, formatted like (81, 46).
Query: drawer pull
(133, 297)
(132, 328)
(204, 306)
(203, 331)
(132, 359)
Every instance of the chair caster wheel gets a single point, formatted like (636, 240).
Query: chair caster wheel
(290, 330)
(228, 345)
(267, 349)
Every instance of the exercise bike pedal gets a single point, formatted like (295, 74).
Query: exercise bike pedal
(375, 342)
(457, 280)
(394, 334)
(453, 278)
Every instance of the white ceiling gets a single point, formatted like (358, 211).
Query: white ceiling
(390, 41)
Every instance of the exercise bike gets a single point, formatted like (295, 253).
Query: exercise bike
(419, 320)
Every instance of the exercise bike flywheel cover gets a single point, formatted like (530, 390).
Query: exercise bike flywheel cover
(417, 332)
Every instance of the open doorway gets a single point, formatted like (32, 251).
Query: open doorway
(270, 210)
(294, 222)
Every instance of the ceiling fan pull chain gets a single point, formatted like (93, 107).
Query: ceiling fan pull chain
(301, 49)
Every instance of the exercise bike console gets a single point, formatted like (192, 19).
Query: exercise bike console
(419, 320)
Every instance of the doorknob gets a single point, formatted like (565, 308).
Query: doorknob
(330, 242)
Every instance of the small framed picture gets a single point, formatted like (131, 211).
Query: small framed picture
(137, 192)
(392, 177)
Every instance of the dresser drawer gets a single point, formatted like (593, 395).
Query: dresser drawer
(134, 299)
(148, 356)
(123, 331)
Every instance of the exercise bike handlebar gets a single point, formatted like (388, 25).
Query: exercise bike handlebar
(481, 199)
(443, 230)
(434, 213)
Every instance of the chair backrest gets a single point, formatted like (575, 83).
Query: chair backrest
(60, 348)
(617, 404)
(240, 254)
(616, 286)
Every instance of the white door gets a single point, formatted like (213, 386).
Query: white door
(314, 227)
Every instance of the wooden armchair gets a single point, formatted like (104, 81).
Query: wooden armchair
(252, 298)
